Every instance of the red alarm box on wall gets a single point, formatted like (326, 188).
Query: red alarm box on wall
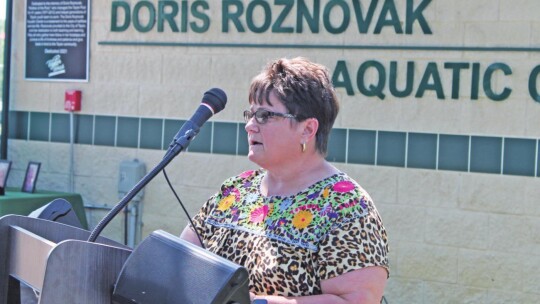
(73, 100)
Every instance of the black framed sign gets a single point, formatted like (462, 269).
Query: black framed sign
(5, 166)
(57, 46)
(30, 178)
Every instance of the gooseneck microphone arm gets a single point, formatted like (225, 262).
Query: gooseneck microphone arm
(214, 101)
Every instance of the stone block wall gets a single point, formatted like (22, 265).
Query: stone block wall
(456, 179)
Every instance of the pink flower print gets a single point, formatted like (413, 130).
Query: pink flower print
(259, 214)
(246, 174)
(343, 186)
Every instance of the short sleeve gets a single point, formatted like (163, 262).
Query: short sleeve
(199, 219)
(356, 244)
(229, 188)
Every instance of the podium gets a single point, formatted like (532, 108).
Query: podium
(56, 260)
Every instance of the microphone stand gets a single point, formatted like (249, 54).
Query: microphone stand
(177, 145)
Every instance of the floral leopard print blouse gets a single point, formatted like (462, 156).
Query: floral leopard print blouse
(289, 244)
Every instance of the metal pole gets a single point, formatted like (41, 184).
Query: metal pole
(6, 80)
(133, 219)
(71, 152)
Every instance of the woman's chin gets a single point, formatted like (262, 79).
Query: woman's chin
(254, 158)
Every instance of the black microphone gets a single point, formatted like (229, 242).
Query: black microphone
(213, 101)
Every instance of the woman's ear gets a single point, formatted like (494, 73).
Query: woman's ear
(311, 125)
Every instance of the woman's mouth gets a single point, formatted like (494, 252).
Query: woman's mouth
(254, 142)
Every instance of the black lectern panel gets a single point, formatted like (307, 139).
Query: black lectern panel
(167, 269)
(57, 261)
(59, 210)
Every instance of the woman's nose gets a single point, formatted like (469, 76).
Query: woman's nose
(251, 125)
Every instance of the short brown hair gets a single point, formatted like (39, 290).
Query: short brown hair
(306, 90)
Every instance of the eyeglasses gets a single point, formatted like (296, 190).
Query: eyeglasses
(262, 115)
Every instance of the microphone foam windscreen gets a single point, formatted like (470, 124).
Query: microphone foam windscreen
(215, 98)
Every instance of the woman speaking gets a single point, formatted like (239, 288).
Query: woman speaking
(305, 231)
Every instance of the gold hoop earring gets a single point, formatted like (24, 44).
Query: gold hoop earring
(303, 147)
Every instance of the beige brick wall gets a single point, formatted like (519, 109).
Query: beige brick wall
(455, 237)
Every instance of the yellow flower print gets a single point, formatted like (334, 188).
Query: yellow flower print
(326, 192)
(302, 219)
(226, 203)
